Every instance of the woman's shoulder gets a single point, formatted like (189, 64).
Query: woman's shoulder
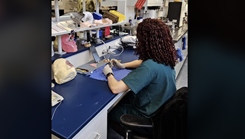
(150, 62)
(154, 65)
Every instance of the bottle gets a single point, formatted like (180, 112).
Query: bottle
(130, 21)
(173, 26)
(139, 19)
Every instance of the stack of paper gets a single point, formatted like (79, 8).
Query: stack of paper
(57, 28)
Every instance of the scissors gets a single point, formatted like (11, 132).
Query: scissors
(82, 70)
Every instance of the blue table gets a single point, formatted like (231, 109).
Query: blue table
(83, 99)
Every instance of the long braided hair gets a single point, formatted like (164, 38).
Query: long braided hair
(155, 42)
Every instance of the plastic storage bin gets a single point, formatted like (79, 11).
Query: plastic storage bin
(100, 32)
(111, 16)
(97, 16)
(121, 16)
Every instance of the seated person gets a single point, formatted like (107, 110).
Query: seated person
(152, 83)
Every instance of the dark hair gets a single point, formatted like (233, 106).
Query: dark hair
(155, 42)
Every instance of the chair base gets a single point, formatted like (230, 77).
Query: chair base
(134, 135)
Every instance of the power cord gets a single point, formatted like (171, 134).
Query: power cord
(105, 50)
(55, 110)
(109, 52)
(120, 52)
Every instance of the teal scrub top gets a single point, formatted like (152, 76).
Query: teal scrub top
(153, 84)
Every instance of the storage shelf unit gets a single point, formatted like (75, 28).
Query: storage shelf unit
(84, 29)
(56, 5)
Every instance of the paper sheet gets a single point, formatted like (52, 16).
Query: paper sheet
(118, 73)
(89, 67)
(93, 65)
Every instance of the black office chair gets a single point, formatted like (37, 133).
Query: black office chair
(170, 120)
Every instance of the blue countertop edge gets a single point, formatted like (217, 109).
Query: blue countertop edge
(56, 56)
(62, 136)
(85, 123)
(91, 117)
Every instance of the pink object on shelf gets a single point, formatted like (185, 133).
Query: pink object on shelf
(86, 24)
(98, 22)
(106, 21)
(93, 65)
(68, 46)
(107, 31)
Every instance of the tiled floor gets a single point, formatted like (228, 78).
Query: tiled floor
(182, 79)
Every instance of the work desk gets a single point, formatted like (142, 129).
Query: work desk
(84, 97)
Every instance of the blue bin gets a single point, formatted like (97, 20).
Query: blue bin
(97, 16)
(100, 32)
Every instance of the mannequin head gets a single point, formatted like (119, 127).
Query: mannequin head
(63, 71)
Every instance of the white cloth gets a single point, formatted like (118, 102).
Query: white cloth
(88, 17)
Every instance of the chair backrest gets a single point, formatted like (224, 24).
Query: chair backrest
(171, 120)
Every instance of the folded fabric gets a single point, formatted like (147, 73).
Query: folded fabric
(98, 22)
(184, 42)
(179, 54)
(119, 74)
(106, 21)
(86, 24)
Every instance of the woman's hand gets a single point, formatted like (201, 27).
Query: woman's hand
(117, 64)
(107, 70)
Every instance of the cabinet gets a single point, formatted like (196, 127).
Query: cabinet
(95, 129)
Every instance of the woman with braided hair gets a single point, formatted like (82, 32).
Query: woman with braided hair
(152, 83)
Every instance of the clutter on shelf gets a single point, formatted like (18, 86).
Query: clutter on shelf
(88, 44)
(85, 20)
(121, 17)
(111, 16)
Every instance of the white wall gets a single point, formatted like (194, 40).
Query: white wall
(67, 5)
(130, 13)
(129, 10)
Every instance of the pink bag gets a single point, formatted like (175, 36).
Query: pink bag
(68, 46)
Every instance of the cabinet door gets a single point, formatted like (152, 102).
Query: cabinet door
(95, 129)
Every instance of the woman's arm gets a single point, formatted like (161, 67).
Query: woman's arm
(133, 64)
(119, 86)
(116, 86)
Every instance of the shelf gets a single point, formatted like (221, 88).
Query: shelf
(65, 27)
(82, 48)
(113, 0)
(58, 29)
